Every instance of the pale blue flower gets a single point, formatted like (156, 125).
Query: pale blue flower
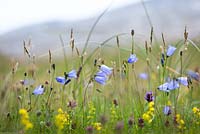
(72, 74)
(39, 90)
(61, 80)
(183, 80)
(167, 110)
(101, 74)
(132, 58)
(173, 84)
(27, 82)
(107, 70)
(194, 75)
(164, 87)
(170, 50)
(143, 76)
(101, 77)
(100, 80)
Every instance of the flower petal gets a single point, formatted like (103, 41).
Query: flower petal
(183, 81)
(72, 74)
(164, 87)
(107, 70)
(170, 50)
(61, 80)
(173, 84)
(132, 58)
(100, 80)
(39, 90)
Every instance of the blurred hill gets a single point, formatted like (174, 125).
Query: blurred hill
(167, 16)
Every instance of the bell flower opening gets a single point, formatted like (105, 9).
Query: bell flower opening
(168, 86)
(170, 50)
(61, 80)
(107, 70)
(167, 111)
(39, 90)
(132, 58)
(183, 81)
(72, 74)
(100, 80)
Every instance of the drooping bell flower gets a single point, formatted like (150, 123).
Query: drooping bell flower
(39, 90)
(132, 59)
(170, 50)
(61, 80)
(183, 80)
(194, 75)
(164, 87)
(167, 111)
(107, 70)
(100, 78)
(143, 76)
(72, 74)
(168, 86)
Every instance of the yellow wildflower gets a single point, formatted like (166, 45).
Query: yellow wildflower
(97, 126)
(180, 122)
(195, 110)
(62, 119)
(169, 103)
(151, 109)
(148, 115)
(92, 111)
(25, 119)
(113, 112)
(151, 104)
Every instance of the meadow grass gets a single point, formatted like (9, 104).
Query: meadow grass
(120, 106)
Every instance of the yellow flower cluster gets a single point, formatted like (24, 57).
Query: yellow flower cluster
(149, 115)
(180, 122)
(97, 126)
(91, 114)
(25, 119)
(113, 113)
(92, 111)
(196, 112)
(169, 103)
(62, 119)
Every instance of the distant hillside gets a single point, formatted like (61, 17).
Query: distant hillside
(168, 16)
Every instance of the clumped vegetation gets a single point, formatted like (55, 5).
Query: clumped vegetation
(150, 88)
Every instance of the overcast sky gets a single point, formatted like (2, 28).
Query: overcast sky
(18, 13)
